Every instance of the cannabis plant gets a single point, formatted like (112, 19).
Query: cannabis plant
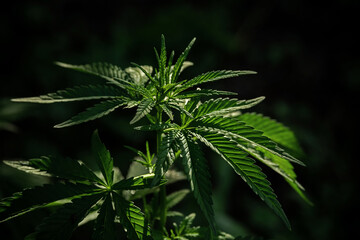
(185, 119)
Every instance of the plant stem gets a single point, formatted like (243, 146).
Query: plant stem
(162, 193)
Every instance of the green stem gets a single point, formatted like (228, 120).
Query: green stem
(162, 193)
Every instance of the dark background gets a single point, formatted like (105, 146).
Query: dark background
(308, 68)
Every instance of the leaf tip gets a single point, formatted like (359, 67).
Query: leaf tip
(16, 99)
(61, 125)
(61, 64)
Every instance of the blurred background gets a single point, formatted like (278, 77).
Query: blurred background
(308, 68)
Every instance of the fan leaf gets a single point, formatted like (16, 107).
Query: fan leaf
(204, 93)
(113, 74)
(210, 77)
(167, 111)
(244, 166)
(103, 158)
(145, 106)
(197, 170)
(179, 63)
(37, 197)
(104, 226)
(274, 130)
(162, 61)
(135, 183)
(132, 219)
(60, 167)
(164, 158)
(223, 106)
(286, 138)
(97, 111)
(62, 223)
(248, 138)
(78, 93)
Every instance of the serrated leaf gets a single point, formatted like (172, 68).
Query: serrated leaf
(244, 166)
(61, 224)
(138, 182)
(261, 148)
(197, 171)
(174, 214)
(78, 93)
(274, 130)
(169, 68)
(103, 158)
(282, 135)
(97, 111)
(131, 218)
(55, 166)
(109, 72)
(248, 138)
(164, 158)
(93, 213)
(104, 226)
(180, 108)
(180, 61)
(210, 77)
(143, 109)
(37, 197)
(145, 71)
(162, 61)
(138, 76)
(25, 167)
(204, 93)
(223, 106)
(167, 111)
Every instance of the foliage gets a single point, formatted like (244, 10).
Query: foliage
(185, 118)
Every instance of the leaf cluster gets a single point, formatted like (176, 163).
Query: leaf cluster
(185, 119)
(77, 192)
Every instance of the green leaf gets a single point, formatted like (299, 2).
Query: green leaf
(78, 93)
(176, 197)
(180, 108)
(56, 166)
(62, 223)
(103, 158)
(223, 106)
(162, 61)
(135, 183)
(97, 111)
(37, 197)
(274, 130)
(164, 158)
(167, 111)
(179, 63)
(131, 218)
(258, 146)
(197, 171)
(137, 76)
(138, 152)
(143, 109)
(104, 226)
(169, 68)
(204, 93)
(244, 166)
(25, 167)
(113, 74)
(146, 72)
(210, 77)
(249, 139)
(286, 138)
